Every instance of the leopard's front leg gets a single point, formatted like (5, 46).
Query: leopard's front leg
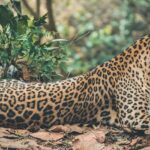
(132, 106)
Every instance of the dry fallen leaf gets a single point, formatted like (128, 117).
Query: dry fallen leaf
(45, 136)
(146, 148)
(3, 132)
(18, 139)
(67, 128)
(22, 132)
(147, 132)
(135, 141)
(19, 144)
(75, 128)
(59, 128)
(89, 139)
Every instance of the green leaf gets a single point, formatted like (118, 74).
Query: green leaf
(19, 24)
(20, 39)
(41, 20)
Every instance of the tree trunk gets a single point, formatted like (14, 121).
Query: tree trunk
(51, 21)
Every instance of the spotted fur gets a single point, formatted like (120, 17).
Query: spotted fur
(116, 92)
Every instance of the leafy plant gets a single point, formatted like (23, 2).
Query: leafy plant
(28, 47)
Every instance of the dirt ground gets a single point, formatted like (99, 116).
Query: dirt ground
(73, 137)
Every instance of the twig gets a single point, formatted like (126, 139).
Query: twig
(77, 37)
(15, 8)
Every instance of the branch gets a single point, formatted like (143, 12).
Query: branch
(38, 2)
(17, 6)
(30, 9)
(51, 22)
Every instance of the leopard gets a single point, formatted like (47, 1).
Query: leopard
(116, 92)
